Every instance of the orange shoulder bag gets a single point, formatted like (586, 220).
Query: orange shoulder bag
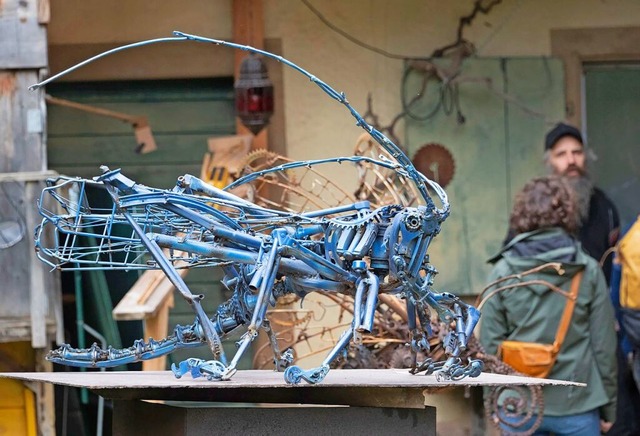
(532, 358)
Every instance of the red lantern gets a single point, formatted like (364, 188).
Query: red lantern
(254, 94)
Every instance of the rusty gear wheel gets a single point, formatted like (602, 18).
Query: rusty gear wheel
(261, 159)
(436, 162)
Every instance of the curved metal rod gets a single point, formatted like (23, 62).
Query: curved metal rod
(309, 163)
(419, 179)
(104, 54)
(551, 286)
(379, 137)
(553, 265)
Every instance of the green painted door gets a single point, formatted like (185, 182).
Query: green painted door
(182, 115)
(493, 125)
(613, 133)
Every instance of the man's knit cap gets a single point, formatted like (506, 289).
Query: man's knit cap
(559, 131)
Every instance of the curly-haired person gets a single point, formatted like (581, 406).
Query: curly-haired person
(544, 219)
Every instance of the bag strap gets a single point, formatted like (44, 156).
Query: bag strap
(568, 312)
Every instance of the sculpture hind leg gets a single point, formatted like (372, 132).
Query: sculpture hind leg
(96, 357)
(210, 334)
(263, 279)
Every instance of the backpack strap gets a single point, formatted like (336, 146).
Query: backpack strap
(568, 312)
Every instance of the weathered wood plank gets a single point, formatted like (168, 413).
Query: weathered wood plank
(146, 296)
(270, 380)
(39, 297)
(14, 259)
(31, 308)
(26, 176)
(164, 117)
(24, 38)
(120, 150)
(18, 329)
(21, 144)
(29, 290)
(45, 397)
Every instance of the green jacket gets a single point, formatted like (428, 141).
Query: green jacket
(533, 313)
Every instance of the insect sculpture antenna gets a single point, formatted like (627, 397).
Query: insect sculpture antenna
(395, 151)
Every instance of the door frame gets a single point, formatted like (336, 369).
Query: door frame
(579, 46)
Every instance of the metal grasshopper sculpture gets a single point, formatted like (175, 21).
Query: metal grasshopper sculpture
(264, 253)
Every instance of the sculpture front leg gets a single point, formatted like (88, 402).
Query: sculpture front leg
(211, 369)
(465, 318)
(418, 336)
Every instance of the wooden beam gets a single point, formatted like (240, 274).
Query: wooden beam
(248, 29)
(150, 299)
(38, 293)
(27, 176)
(579, 46)
(157, 327)
(146, 297)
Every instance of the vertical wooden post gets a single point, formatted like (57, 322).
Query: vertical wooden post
(157, 326)
(248, 29)
(40, 305)
(45, 397)
(29, 292)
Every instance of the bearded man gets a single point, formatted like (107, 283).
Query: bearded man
(598, 231)
(598, 220)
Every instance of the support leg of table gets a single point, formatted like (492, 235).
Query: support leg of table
(133, 417)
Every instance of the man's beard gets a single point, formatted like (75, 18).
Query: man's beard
(583, 188)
